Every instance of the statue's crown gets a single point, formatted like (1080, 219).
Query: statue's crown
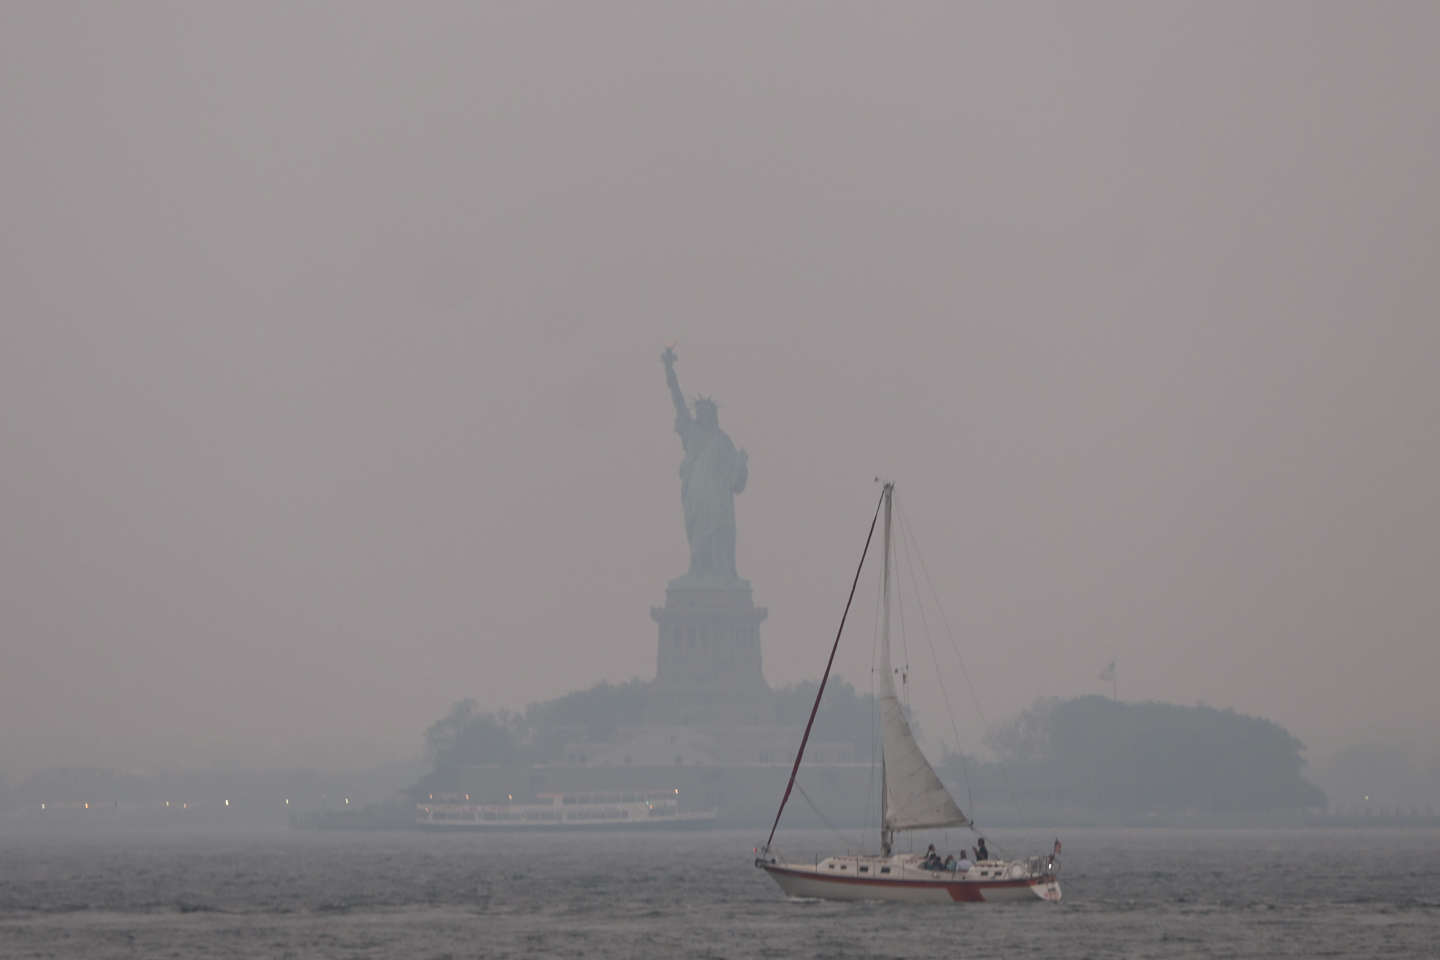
(703, 401)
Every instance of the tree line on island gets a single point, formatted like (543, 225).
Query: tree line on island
(1139, 758)
(1085, 754)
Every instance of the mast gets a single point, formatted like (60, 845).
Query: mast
(886, 834)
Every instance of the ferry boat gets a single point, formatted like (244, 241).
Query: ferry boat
(623, 809)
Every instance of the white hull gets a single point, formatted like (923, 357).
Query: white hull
(841, 878)
(561, 811)
(699, 818)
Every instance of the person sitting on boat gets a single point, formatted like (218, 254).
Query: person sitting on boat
(980, 852)
(932, 859)
(950, 863)
(964, 864)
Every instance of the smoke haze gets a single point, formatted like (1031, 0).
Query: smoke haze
(329, 354)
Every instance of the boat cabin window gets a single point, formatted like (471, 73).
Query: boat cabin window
(864, 869)
(884, 869)
(844, 867)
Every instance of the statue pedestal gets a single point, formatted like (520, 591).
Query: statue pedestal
(709, 664)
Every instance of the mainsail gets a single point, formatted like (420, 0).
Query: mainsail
(914, 796)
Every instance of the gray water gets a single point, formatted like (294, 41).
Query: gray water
(1128, 893)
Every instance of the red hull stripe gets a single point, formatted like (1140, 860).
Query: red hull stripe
(959, 889)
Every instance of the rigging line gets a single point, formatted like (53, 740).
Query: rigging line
(913, 542)
(874, 706)
(969, 683)
(826, 820)
(825, 678)
(896, 582)
(907, 536)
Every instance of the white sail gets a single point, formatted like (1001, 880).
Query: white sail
(914, 796)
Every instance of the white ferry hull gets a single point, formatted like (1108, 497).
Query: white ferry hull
(682, 821)
(804, 880)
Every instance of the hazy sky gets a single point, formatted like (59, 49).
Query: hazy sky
(330, 387)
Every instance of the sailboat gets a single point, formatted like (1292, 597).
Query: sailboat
(912, 798)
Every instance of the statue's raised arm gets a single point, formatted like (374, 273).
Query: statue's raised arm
(682, 411)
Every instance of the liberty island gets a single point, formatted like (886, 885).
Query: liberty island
(708, 724)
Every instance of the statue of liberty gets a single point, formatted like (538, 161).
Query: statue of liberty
(712, 472)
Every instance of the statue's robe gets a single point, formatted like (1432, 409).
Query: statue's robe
(712, 473)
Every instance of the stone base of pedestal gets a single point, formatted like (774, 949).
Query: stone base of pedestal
(709, 661)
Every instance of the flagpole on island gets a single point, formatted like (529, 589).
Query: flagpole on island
(1109, 674)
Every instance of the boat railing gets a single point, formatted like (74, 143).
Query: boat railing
(1042, 866)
